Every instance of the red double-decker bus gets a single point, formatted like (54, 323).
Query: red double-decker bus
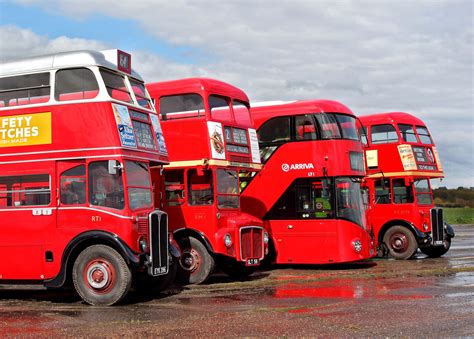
(210, 137)
(401, 158)
(78, 133)
(309, 190)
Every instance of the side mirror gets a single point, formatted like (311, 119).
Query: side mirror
(113, 166)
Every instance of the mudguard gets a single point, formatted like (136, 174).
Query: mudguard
(96, 237)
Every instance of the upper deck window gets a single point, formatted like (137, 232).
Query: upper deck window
(276, 130)
(220, 109)
(140, 93)
(75, 84)
(407, 132)
(424, 135)
(329, 127)
(25, 89)
(116, 86)
(348, 126)
(241, 113)
(181, 106)
(383, 134)
(305, 128)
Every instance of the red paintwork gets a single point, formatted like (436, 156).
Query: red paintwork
(390, 163)
(309, 241)
(187, 140)
(81, 133)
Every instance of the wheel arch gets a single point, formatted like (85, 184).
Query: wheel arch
(81, 242)
(399, 222)
(191, 232)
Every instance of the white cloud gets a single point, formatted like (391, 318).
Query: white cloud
(374, 56)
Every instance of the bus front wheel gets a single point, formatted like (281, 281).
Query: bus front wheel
(195, 264)
(400, 242)
(101, 276)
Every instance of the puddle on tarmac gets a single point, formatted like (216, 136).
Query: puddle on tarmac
(461, 279)
(351, 289)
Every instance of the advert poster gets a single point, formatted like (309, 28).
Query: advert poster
(254, 149)
(124, 125)
(25, 130)
(372, 159)
(407, 157)
(216, 140)
(159, 134)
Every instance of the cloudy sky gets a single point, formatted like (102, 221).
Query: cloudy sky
(372, 55)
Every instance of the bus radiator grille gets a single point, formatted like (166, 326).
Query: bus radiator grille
(251, 242)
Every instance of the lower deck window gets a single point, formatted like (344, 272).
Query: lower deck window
(25, 190)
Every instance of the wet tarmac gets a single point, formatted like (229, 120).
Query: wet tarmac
(381, 297)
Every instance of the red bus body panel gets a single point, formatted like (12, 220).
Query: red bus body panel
(398, 160)
(189, 146)
(302, 241)
(34, 237)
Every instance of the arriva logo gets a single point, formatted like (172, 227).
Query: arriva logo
(290, 167)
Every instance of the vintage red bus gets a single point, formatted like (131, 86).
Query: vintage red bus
(309, 190)
(401, 158)
(210, 137)
(78, 133)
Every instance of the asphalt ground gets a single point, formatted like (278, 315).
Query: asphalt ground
(422, 297)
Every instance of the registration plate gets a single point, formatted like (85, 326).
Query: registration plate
(253, 262)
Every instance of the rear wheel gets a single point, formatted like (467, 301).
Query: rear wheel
(101, 276)
(437, 251)
(400, 242)
(195, 264)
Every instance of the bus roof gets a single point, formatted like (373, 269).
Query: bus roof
(390, 118)
(261, 112)
(61, 60)
(197, 85)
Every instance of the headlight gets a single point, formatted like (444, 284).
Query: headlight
(357, 245)
(143, 245)
(227, 240)
(266, 238)
(425, 226)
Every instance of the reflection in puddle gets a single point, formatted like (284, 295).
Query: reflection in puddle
(350, 289)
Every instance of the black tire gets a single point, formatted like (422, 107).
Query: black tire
(195, 264)
(237, 270)
(400, 242)
(437, 251)
(148, 285)
(101, 276)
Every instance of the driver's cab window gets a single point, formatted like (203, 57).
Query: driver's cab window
(105, 189)
(402, 194)
(73, 186)
(200, 188)
(305, 128)
(382, 192)
(174, 187)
